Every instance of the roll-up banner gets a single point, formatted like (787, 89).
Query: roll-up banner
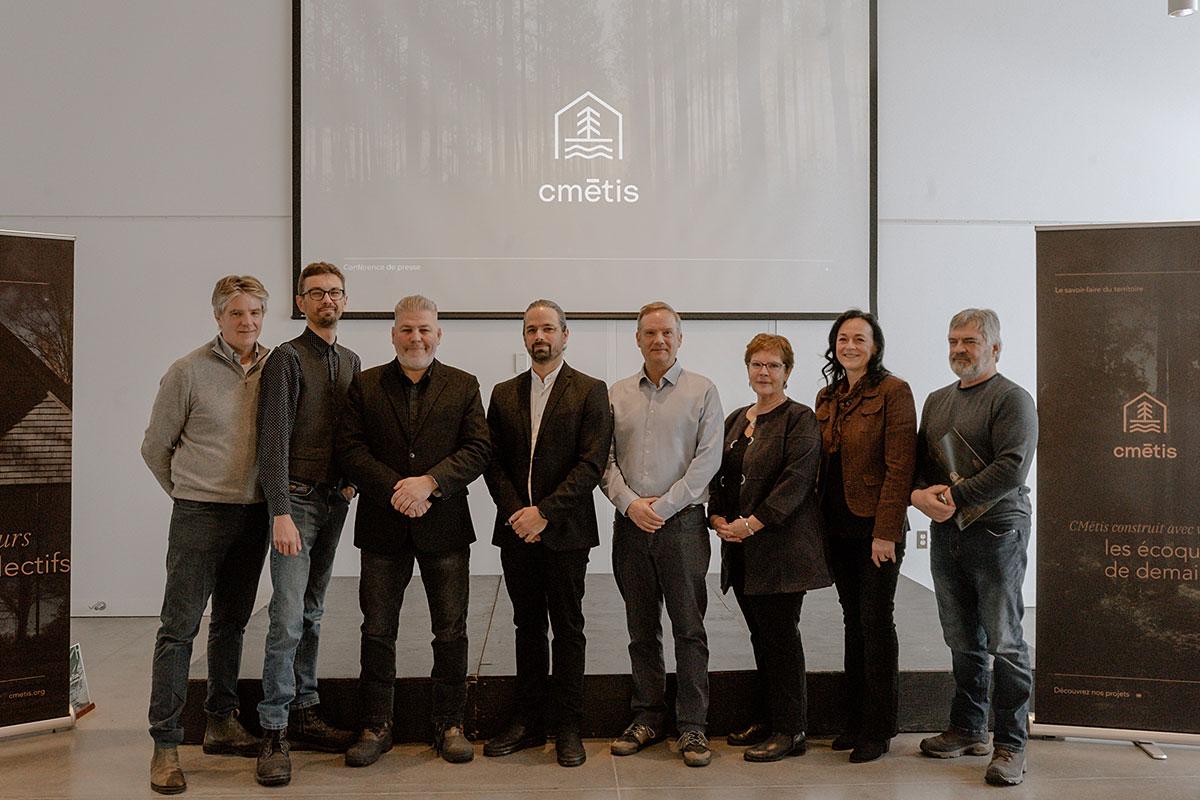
(1118, 553)
(36, 310)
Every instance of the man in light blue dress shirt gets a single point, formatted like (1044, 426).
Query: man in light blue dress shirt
(668, 430)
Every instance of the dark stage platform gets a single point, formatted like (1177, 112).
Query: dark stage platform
(925, 681)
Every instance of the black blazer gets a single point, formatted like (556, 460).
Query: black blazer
(375, 449)
(572, 451)
(780, 489)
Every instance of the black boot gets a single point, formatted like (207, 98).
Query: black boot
(308, 731)
(274, 764)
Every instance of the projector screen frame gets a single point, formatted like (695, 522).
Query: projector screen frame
(873, 221)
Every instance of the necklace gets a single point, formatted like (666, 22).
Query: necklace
(753, 421)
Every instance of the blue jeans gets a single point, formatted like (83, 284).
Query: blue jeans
(297, 604)
(214, 550)
(381, 588)
(977, 577)
(667, 567)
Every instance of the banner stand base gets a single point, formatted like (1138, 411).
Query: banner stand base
(1152, 750)
(1147, 741)
(40, 726)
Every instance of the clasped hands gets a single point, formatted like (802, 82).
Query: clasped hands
(737, 530)
(410, 496)
(642, 514)
(528, 523)
(935, 502)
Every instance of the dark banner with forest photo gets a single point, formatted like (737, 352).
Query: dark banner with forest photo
(36, 285)
(1118, 553)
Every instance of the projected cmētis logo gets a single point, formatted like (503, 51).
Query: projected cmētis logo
(590, 130)
(579, 129)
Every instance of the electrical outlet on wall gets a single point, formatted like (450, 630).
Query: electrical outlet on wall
(922, 540)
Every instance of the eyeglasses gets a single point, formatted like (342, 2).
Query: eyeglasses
(316, 295)
(770, 366)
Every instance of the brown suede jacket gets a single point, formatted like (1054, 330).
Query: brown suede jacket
(878, 448)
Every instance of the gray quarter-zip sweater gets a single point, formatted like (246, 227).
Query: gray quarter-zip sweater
(200, 443)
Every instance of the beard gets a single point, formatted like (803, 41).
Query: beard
(541, 353)
(966, 370)
(416, 360)
(326, 318)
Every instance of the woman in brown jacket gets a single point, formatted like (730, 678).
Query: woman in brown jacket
(869, 438)
(763, 505)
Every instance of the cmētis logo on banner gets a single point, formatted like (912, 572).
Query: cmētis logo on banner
(1145, 415)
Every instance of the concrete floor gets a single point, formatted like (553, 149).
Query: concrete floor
(107, 756)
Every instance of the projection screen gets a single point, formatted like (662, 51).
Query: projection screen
(717, 154)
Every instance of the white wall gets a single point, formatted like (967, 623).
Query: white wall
(995, 117)
(159, 134)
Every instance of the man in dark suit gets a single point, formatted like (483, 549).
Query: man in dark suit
(551, 428)
(413, 436)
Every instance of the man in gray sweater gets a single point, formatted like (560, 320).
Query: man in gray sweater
(200, 445)
(974, 450)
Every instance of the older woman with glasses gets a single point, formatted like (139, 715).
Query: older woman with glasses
(763, 505)
(869, 438)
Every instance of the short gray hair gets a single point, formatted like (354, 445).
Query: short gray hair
(415, 302)
(553, 306)
(231, 286)
(986, 320)
(659, 305)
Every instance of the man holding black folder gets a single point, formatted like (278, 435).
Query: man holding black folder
(974, 449)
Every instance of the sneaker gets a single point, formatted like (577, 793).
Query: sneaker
(307, 731)
(225, 736)
(371, 744)
(635, 737)
(1007, 768)
(166, 776)
(454, 746)
(274, 766)
(954, 743)
(694, 747)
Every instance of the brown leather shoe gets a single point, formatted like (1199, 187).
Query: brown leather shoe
(454, 746)
(777, 747)
(371, 744)
(166, 776)
(752, 734)
(225, 736)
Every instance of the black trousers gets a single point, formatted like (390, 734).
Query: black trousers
(381, 586)
(867, 594)
(780, 685)
(546, 586)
